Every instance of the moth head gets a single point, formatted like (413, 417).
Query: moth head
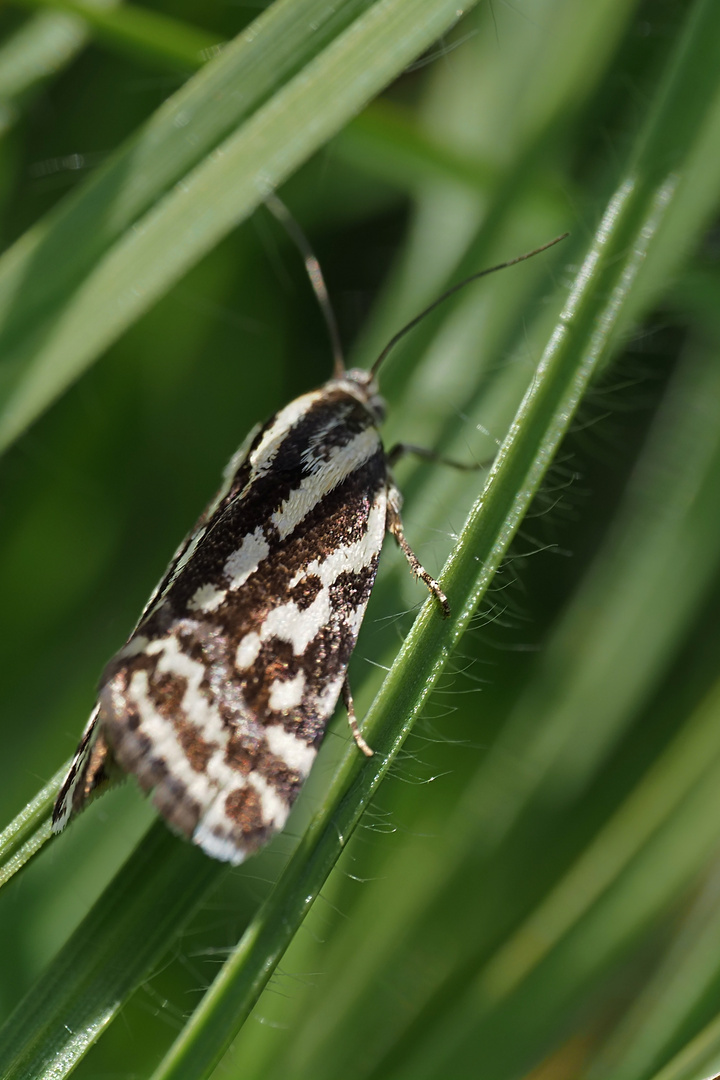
(364, 385)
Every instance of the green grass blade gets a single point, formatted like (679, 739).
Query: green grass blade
(114, 273)
(140, 32)
(387, 141)
(43, 46)
(113, 949)
(699, 1060)
(24, 836)
(41, 273)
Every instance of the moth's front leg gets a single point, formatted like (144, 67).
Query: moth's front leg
(395, 526)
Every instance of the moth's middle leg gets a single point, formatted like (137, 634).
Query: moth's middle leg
(394, 525)
(394, 521)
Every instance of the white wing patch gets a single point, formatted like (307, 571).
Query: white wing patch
(245, 561)
(286, 694)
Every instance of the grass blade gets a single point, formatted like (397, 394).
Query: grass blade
(116, 272)
(139, 32)
(114, 947)
(24, 836)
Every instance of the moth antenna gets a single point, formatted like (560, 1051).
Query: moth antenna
(280, 211)
(453, 289)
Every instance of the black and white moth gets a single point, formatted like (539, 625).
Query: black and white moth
(220, 698)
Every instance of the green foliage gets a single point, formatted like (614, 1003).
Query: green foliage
(523, 880)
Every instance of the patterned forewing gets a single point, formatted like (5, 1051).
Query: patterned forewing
(221, 697)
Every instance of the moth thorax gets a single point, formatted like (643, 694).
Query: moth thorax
(366, 383)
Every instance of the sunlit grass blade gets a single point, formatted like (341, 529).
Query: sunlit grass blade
(41, 273)
(56, 322)
(699, 1060)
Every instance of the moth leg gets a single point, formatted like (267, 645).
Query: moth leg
(352, 719)
(395, 526)
(401, 449)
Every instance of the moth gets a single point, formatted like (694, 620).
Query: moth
(221, 696)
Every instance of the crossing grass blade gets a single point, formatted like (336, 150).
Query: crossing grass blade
(199, 167)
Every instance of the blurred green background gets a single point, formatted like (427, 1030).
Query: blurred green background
(533, 893)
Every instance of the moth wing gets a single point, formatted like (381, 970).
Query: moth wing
(220, 699)
(92, 768)
(223, 730)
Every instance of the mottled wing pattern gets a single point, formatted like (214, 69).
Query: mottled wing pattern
(221, 697)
